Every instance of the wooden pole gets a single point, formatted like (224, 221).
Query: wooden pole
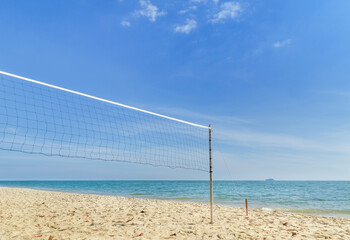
(211, 178)
(246, 207)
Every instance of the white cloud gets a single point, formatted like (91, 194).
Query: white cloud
(188, 27)
(125, 23)
(282, 44)
(216, 1)
(149, 10)
(192, 8)
(227, 10)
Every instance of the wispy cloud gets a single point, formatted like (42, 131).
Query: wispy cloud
(149, 10)
(198, 1)
(282, 43)
(191, 8)
(261, 139)
(187, 28)
(331, 142)
(236, 131)
(334, 92)
(228, 10)
(125, 23)
(201, 118)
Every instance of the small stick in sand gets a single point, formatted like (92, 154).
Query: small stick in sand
(246, 207)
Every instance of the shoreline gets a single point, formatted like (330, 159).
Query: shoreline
(304, 211)
(27, 214)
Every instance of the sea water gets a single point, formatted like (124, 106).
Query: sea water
(329, 198)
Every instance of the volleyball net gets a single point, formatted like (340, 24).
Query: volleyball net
(40, 118)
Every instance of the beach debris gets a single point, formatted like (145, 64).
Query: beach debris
(43, 203)
(51, 237)
(142, 211)
(285, 223)
(118, 224)
(294, 233)
(130, 220)
(39, 236)
(94, 224)
(173, 235)
(40, 216)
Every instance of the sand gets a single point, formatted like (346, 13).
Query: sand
(34, 214)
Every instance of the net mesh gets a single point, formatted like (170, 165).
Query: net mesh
(44, 120)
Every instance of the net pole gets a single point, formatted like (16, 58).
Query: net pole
(211, 177)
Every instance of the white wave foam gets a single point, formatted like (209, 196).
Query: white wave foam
(266, 209)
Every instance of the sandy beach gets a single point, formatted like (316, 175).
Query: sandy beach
(34, 214)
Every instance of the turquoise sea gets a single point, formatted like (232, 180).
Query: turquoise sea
(329, 198)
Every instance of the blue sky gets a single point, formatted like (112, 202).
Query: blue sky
(272, 77)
